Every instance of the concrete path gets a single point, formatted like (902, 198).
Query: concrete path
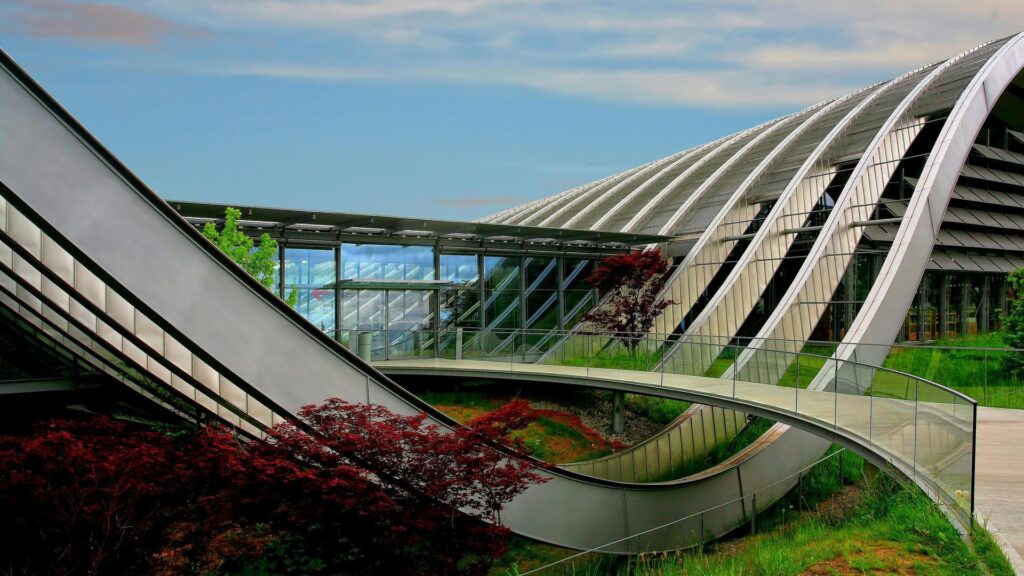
(999, 498)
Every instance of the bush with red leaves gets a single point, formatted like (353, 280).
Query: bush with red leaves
(631, 284)
(351, 489)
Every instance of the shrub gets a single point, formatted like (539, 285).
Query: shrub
(352, 489)
(631, 284)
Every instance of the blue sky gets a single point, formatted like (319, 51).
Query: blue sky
(452, 108)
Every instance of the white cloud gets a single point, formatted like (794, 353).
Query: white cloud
(706, 52)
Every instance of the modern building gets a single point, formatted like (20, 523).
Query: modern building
(891, 213)
(419, 280)
(799, 215)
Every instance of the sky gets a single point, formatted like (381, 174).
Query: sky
(453, 109)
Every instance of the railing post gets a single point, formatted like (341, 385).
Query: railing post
(590, 346)
(701, 537)
(917, 386)
(835, 391)
(796, 385)
(618, 411)
(753, 514)
(984, 393)
(735, 365)
(366, 346)
(458, 343)
(974, 454)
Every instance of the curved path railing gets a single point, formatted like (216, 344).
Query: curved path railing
(920, 428)
(88, 253)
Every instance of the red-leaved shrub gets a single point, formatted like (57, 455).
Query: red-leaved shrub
(349, 489)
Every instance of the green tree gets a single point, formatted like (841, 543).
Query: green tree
(1013, 324)
(259, 261)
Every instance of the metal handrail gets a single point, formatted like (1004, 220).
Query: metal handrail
(511, 334)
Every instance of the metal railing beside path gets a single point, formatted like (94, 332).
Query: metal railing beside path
(921, 428)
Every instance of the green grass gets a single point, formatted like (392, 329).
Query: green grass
(616, 358)
(468, 398)
(875, 527)
(659, 410)
(541, 435)
(976, 373)
(986, 548)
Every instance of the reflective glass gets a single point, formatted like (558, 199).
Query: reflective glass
(502, 313)
(459, 268)
(308, 267)
(386, 262)
(317, 306)
(362, 310)
(460, 308)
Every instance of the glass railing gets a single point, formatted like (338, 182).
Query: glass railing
(924, 429)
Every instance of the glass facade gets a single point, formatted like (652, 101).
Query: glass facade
(309, 273)
(386, 262)
(951, 304)
(489, 297)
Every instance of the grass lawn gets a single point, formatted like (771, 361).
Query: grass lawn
(976, 373)
(660, 410)
(869, 526)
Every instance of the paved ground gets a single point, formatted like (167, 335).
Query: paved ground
(999, 496)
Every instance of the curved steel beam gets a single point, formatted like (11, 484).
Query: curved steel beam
(665, 192)
(690, 278)
(885, 307)
(807, 297)
(551, 219)
(611, 192)
(734, 300)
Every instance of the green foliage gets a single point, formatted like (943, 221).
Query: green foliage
(972, 368)
(878, 527)
(259, 262)
(1013, 324)
(660, 410)
(293, 296)
(987, 549)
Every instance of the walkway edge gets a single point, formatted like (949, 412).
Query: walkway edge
(1016, 562)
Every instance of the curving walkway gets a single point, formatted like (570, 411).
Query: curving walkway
(927, 434)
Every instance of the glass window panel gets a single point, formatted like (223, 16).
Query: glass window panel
(277, 272)
(502, 281)
(308, 267)
(23, 231)
(362, 310)
(59, 260)
(459, 268)
(409, 310)
(460, 308)
(541, 274)
(387, 262)
(501, 272)
(503, 309)
(89, 285)
(317, 306)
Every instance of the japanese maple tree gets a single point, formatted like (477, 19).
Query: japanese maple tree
(630, 284)
(348, 488)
